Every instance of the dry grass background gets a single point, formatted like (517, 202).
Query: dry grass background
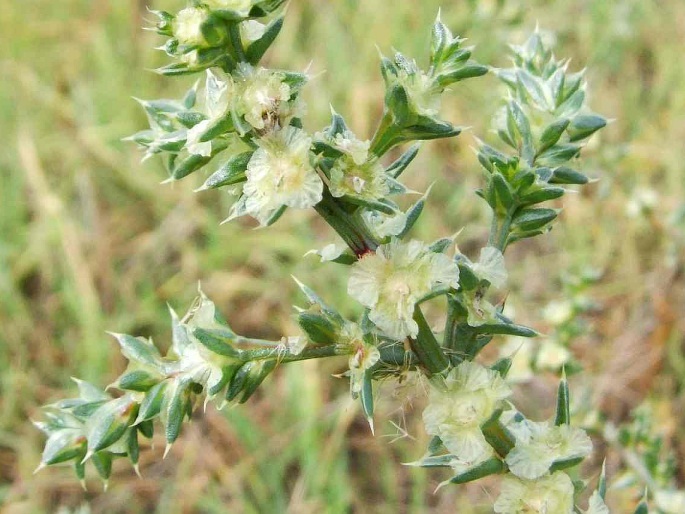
(90, 241)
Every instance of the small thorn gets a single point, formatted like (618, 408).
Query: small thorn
(40, 467)
(83, 484)
(89, 454)
(136, 468)
(370, 421)
(105, 485)
(167, 449)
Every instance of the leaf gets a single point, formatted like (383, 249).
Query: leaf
(563, 413)
(531, 219)
(151, 405)
(109, 423)
(258, 48)
(551, 135)
(137, 349)
(398, 166)
(584, 126)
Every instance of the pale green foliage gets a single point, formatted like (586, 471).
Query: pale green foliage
(247, 120)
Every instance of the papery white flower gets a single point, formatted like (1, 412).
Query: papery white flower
(644, 199)
(551, 355)
(187, 26)
(670, 501)
(364, 355)
(201, 365)
(357, 150)
(295, 344)
(264, 97)
(329, 252)
(193, 143)
(490, 266)
(385, 225)
(240, 6)
(367, 181)
(596, 505)
(539, 445)
(551, 494)
(279, 173)
(422, 93)
(558, 312)
(391, 281)
(520, 350)
(460, 404)
(251, 30)
(218, 93)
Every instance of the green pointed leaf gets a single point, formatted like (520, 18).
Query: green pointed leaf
(103, 464)
(552, 134)
(318, 328)
(151, 405)
(542, 195)
(491, 466)
(398, 166)
(64, 445)
(563, 414)
(564, 175)
(465, 72)
(215, 343)
(137, 349)
(137, 380)
(532, 219)
(109, 423)
(584, 126)
(258, 48)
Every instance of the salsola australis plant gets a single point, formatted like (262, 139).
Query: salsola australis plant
(244, 124)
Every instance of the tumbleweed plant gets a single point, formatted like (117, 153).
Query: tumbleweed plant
(243, 124)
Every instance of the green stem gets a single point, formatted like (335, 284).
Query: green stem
(499, 231)
(426, 346)
(385, 136)
(236, 42)
(314, 352)
(353, 231)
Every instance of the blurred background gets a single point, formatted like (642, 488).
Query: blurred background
(90, 241)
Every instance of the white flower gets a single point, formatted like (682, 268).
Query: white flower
(460, 404)
(385, 225)
(643, 201)
(264, 97)
(251, 30)
(424, 96)
(551, 494)
(348, 143)
(367, 181)
(558, 312)
(490, 266)
(670, 502)
(596, 505)
(201, 365)
(279, 173)
(294, 344)
(552, 355)
(193, 143)
(539, 445)
(187, 26)
(329, 252)
(391, 281)
(218, 94)
(363, 357)
(520, 350)
(240, 6)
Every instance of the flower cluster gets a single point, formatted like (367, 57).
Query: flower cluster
(246, 124)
